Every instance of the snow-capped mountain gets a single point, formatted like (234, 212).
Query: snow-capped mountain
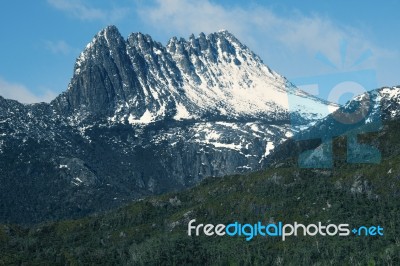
(140, 118)
(140, 81)
(356, 122)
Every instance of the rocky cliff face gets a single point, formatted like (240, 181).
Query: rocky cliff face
(140, 118)
(140, 81)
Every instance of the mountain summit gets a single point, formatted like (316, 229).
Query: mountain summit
(139, 81)
(140, 118)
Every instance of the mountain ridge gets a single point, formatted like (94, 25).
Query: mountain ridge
(139, 119)
(145, 81)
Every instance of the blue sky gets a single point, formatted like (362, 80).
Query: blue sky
(40, 40)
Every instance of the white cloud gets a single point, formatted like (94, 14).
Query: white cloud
(83, 11)
(192, 16)
(58, 47)
(22, 94)
(261, 28)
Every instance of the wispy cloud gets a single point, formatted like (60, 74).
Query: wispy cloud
(192, 16)
(58, 47)
(19, 92)
(260, 27)
(83, 11)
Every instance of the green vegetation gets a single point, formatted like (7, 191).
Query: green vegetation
(152, 231)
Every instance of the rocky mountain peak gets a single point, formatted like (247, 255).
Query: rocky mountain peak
(138, 80)
(142, 42)
(106, 41)
(213, 44)
(140, 118)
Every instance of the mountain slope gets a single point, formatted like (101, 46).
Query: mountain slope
(140, 81)
(154, 230)
(139, 118)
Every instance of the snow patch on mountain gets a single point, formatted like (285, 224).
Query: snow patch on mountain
(182, 112)
(146, 118)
